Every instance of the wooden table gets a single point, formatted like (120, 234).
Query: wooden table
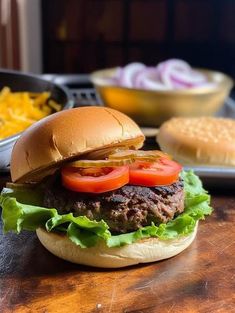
(201, 279)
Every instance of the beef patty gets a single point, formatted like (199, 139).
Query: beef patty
(125, 209)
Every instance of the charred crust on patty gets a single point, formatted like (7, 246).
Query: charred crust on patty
(125, 209)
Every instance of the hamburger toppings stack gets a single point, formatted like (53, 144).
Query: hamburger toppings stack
(80, 180)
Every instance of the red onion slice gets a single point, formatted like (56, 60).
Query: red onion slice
(189, 79)
(141, 76)
(128, 74)
(166, 68)
(172, 74)
(151, 81)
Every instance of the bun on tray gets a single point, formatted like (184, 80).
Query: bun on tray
(200, 140)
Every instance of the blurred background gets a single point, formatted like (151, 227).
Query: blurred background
(79, 36)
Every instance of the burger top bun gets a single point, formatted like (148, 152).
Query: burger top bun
(202, 140)
(142, 251)
(69, 134)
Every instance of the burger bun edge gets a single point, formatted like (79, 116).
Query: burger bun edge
(143, 251)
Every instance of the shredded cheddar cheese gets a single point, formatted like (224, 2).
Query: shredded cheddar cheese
(19, 110)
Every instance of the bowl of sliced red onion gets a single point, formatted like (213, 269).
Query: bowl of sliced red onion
(153, 94)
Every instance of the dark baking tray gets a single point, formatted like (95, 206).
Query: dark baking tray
(215, 176)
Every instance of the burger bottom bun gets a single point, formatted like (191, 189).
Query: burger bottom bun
(143, 251)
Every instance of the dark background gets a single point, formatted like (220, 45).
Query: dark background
(80, 36)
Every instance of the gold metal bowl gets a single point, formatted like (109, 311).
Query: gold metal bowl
(151, 108)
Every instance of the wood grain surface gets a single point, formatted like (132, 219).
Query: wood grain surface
(201, 279)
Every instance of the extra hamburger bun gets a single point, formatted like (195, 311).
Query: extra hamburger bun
(67, 135)
(143, 251)
(199, 141)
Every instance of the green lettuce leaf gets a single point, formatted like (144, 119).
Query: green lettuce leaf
(21, 209)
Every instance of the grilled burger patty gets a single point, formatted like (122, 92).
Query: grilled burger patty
(125, 209)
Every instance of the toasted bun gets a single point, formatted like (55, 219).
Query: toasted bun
(143, 251)
(69, 134)
(204, 140)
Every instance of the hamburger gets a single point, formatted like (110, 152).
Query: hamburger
(80, 181)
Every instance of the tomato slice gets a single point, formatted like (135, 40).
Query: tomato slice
(93, 179)
(162, 172)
